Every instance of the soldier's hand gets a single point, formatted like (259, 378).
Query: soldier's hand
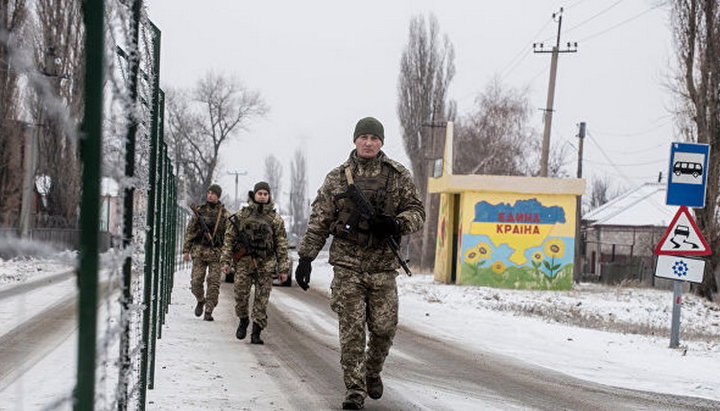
(225, 269)
(302, 272)
(283, 277)
(186, 256)
(383, 226)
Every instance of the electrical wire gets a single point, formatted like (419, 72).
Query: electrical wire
(598, 14)
(621, 23)
(575, 4)
(511, 66)
(610, 162)
(668, 120)
(622, 175)
(624, 165)
(642, 150)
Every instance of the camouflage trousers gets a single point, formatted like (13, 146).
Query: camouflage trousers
(362, 299)
(206, 268)
(245, 277)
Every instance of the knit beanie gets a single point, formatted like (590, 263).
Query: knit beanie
(215, 189)
(369, 125)
(261, 186)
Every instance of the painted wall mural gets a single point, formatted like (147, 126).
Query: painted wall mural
(443, 258)
(511, 241)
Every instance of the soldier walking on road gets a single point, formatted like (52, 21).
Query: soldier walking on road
(256, 237)
(203, 241)
(364, 291)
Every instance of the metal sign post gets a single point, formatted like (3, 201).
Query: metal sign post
(679, 269)
(675, 322)
(687, 182)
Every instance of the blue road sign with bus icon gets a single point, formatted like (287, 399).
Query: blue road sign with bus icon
(687, 176)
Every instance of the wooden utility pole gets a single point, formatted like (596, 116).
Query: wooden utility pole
(539, 48)
(578, 207)
(237, 173)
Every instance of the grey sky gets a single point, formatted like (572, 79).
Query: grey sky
(322, 65)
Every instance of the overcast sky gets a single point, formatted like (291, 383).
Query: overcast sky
(322, 65)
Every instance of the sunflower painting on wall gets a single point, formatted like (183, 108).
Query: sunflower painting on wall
(521, 243)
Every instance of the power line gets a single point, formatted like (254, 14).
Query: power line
(622, 22)
(598, 14)
(637, 133)
(611, 163)
(522, 52)
(619, 172)
(642, 150)
(625, 165)
(575, 4)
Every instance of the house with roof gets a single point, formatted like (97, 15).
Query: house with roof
(619, 237)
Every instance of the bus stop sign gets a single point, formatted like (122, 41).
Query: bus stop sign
(687, 176)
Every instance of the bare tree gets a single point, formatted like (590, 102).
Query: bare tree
(13, 15)
(59, 55)
(426, 69)
(557, 161)
(601, 191)
(200, 121)
(696, 34)
(298, 193)
(182, 125)
(496, 137)
(273, 176)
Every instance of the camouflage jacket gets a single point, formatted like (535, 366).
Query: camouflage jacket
(278, 259)
(405, 200)
(194, 232)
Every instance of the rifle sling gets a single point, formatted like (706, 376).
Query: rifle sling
(217, 223)
(348, 175)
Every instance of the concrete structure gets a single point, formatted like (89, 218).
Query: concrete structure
(504, 231)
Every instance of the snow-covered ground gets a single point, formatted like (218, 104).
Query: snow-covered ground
(610, 335)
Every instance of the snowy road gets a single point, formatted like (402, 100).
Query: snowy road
(426, 373)
(453, 351)
(31, 331)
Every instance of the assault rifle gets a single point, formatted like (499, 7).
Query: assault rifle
(203, 225)
(366, 211)
(242, 247)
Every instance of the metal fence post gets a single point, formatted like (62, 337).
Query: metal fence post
(90, 149)
(151, 227)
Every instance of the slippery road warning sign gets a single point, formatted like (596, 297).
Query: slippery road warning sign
(683, 237)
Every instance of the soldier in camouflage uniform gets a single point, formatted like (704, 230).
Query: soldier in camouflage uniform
(205, 250)
(260, 231)
(363, 288)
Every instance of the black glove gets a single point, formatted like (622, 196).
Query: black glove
(302, 272)
(383, 226)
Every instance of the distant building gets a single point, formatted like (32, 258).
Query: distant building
(618, 238)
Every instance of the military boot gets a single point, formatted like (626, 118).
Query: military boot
(242, 328)
(208, 316)
(353, 402)
(199, 308)
(255, 336)
(374, 387)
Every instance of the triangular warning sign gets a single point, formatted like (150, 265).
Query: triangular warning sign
(683, 237)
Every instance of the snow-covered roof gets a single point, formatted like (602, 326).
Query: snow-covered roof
(643, 206)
